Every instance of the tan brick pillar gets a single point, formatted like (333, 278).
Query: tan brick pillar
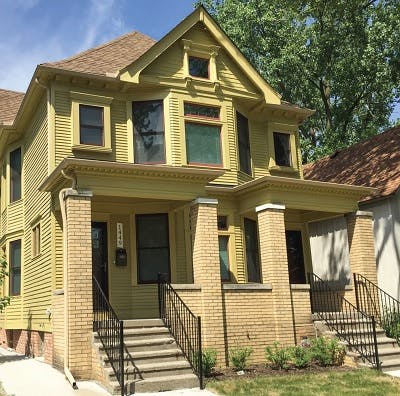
(361, 244)
(207, 272)
(78, 282)
(274, 267)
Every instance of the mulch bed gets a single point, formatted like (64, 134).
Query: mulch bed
(262, 370)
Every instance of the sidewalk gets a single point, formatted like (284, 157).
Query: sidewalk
(23, 376)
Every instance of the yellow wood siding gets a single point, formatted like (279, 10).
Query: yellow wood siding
(176, 141)
(259, 148)
(37, 271)
(119, 131)
(63, 124)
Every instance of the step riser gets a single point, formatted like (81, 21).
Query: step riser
(140, 323)
(165, 386)
(144, 348)
(151, 374)
(391, 368)
(150, 360)
(140, 337)
(384, 358)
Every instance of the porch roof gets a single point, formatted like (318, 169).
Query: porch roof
(127, 179)
(294, 193)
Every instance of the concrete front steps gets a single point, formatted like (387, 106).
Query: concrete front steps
(388, 349)
(153, 361)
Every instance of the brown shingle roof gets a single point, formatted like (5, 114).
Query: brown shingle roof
(375, 162)
(109, 57)
(9, 105)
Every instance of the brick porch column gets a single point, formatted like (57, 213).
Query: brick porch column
(274, 267)
(78, 282)
(361, 244)
(207, 272)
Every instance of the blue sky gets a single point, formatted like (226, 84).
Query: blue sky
(38, 31)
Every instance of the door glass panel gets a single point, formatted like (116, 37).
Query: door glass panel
(224, 257)
(100, 255)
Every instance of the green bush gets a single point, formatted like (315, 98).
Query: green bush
(209, 359)
(392, 324)
(278, 356)
(239, 357)
(301, 356)
(327, 352)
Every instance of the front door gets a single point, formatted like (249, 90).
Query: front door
(294, 245)
(100, 255)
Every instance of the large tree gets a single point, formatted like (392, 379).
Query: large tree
(339, 57)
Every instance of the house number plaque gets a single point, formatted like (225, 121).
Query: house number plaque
(120, 235)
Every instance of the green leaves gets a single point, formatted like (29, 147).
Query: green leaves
(341, 58)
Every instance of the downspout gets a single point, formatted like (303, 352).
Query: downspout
(61, 197)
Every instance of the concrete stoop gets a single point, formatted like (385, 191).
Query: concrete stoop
(153, 360)
(388, 349)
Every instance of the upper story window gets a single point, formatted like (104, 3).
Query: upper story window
(15, 174)
(91, 125)
(149, 134)
(283, 155)
(203, 135)
(244, 143)
(91, 122)
(15, 268)
(199, 67)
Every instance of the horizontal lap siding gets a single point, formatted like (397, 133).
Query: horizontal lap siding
(259, 148)
(175, 130)
(58, 248)
(37, 271)
(119, 138)
(63, 125)
(14, 216)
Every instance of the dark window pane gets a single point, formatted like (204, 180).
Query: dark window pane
(198, 67)
(15, 267)
(224, 257)
(192, 109)
(91, 125)
(282, 149)
(203, 144)
(222, 222)
(244, 143)
(252, 252)
(294, 246)
(15, 170)
(152, 244)
(148, 123)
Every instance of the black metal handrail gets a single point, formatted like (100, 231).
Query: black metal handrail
(354, 326)
(111, 332)
(374, 300)
(183, 324)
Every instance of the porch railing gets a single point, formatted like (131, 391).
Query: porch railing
(183, 324)
(372, 299)
(111, 332)
(354, 326)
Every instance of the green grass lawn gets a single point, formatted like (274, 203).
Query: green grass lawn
(363, 382)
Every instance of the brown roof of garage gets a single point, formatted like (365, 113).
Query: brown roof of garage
(375, 162)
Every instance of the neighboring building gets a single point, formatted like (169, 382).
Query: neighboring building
(374, 162)
(139, 157)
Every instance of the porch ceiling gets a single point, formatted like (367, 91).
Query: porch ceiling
(303, 195)
(108, 178)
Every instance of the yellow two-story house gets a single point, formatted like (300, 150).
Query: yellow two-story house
(139, 158)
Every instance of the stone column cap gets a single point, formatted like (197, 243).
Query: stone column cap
(364, 213)
(78, 193)
(270, 206)
(205, 201)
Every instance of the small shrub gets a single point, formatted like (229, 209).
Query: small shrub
(327, 352)
(239, 357)
(301, 357)
(278, 356)
(392, 324)
(209, 359)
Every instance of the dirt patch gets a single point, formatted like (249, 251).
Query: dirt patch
(262, 370)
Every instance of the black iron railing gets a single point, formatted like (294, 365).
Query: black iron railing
(372, 299)
(351, 324)
(183, 324)
(111, 332)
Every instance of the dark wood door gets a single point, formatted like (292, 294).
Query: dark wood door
(100, 254)
(294, 245)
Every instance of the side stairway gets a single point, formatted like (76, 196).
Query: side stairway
(153, 360)
(357, 330)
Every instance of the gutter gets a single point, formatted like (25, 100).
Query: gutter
(61, 197)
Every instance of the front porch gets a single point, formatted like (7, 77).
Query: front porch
(236, 258)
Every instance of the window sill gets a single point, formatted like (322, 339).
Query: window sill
(86, 147)
(300, 286)
(204, 166)
(246, 286)
(186, 286)
(284, 169)
(18, 201)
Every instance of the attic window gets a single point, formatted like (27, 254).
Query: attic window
(199, 67)
(282, 149)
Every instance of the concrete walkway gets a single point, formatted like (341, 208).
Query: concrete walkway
(23, 376)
